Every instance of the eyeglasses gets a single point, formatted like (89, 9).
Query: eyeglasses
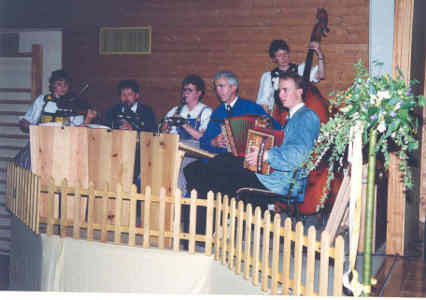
(60, 83)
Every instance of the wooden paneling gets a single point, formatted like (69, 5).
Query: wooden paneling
(160, 161)
(205, 37)
(79, 155)
(195, 36)
(34, 14)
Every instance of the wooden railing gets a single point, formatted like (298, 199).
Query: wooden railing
(246, 243)
(23, 195)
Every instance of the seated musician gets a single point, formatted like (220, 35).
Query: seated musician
(226, 86)
(279, 52)
(48, 108)
(226, 174)
(130, 113)
(197, 173)
(45, 106)
(196, 116)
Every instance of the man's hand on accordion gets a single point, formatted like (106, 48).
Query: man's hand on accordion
(252, 156)
(219, 141)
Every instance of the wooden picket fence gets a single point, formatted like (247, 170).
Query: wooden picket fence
(23, 195)
(246, 243)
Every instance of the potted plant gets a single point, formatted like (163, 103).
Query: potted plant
(382, 110)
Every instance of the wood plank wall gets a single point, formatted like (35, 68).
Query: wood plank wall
(204, 37)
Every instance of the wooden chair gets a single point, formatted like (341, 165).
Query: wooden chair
(297, 204)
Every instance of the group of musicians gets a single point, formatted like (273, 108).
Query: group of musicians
(198, 125)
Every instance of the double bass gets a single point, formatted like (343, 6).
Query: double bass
(314, 100)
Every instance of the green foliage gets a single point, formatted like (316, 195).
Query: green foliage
(379, 103)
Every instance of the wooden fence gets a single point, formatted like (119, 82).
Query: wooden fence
(279, 259)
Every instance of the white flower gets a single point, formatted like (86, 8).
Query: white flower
(377, 99)
(383, 94)
(382, 127)
(355, 116)
(398, 105)
(346, 108)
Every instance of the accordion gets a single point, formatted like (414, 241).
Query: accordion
(242, 132)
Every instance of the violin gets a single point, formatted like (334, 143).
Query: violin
(74, 104)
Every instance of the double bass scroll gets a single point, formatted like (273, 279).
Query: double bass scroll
(313, 98)
(320, 30)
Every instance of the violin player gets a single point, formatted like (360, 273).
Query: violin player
(46, 107)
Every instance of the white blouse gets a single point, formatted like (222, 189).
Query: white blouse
(33, 114)
(265, 95)
(193, 114)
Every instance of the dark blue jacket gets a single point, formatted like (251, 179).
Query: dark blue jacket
(241, 107)
(145, 113)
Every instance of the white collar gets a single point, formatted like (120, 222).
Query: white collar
(134, 107)
(194, 108)
(233, 102)
(293, 110)
(194, 112)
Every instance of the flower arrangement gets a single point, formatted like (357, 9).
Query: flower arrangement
(380, 104)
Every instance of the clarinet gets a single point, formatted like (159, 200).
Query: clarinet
(182, 104)
(175, 121)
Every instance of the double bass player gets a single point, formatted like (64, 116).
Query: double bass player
(279, 52)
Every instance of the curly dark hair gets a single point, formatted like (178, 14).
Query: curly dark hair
(277, 45)
(197, 81)
(59, 75)
(128, 84)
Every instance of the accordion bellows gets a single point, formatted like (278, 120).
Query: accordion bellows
(246, 131)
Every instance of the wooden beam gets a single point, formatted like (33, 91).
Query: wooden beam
(422, 206)
(396, 213)
(12, 113)
(36, 71)
(14, 90)
(16, 102)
